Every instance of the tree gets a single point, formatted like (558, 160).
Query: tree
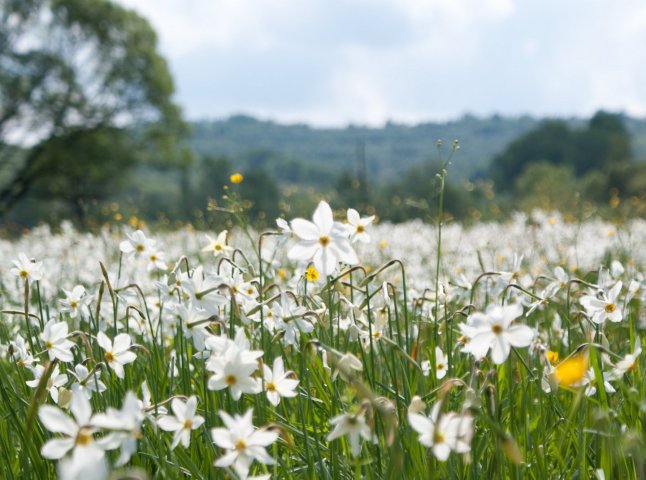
(78, 77)
(551, 141)
(604, 144)
(548, 187)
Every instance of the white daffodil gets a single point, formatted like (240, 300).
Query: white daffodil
(156, 260)
(126, 426)
(443, 433)
(54, 337)
(219, 344)
(323, 241)
(55, 381)
(629, 362)
(75, 301)
(353, 425)
(288, 317)
(86, 381)
(590, 382)
(560, 282)
(441, 363)
(193, 325)
(235, 371)
(203, 291)
(137, 244)
(78, 433)
(27, 270)
(218, 245)
(182, 422)
(601, 309)
(493, 330)
(20, 351)
(278, 382)
(286, 233)
(358, 226)
(117, 353)
(242, 442)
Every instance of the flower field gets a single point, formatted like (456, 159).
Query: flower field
(329, 347)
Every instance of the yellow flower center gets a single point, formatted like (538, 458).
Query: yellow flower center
(84, 438)
(231, 380)
(438, 437)
(74, 304)
(324, 240)
(109, 357)
(361, 229)
(49, 345)
(240, 445)
(217, 247)
(140, 248)
(24, 273)
(610, 307)
(271, 386)
(188, 424)
(440, 366)
(497, 329)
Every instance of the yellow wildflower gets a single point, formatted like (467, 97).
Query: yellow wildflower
(572, 370)
(552, 356)
(311, 274)
(236, 178)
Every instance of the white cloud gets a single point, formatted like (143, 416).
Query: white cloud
(367, 61)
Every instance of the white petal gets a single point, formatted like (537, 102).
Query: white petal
(519, 335)
(81, 408)
(169, 423)
(179, 409)
(325, 261)
(305, 230)
(222, 438)
(323, 217)
(104, 342)
(57, 448)
(126, 357)
(353, 216)
(56, 421)
(121, 342)
(500, 350)
(303, 251)
(227, 460)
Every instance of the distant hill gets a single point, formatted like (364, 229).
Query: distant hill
(389, 150)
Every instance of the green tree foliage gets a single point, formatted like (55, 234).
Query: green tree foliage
(352, 191)
(261, 195)
(552, 142)
(416, 195)
(548, 187)
(602, 144)
(74, 74)
(605, 143)
(60, 172)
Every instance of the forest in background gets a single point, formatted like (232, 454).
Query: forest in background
(502, 164)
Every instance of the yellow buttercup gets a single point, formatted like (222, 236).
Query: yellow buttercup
(572, 370)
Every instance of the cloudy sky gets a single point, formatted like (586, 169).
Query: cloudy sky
(334, 62)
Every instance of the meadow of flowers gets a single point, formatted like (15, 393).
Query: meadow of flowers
(329, 347)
